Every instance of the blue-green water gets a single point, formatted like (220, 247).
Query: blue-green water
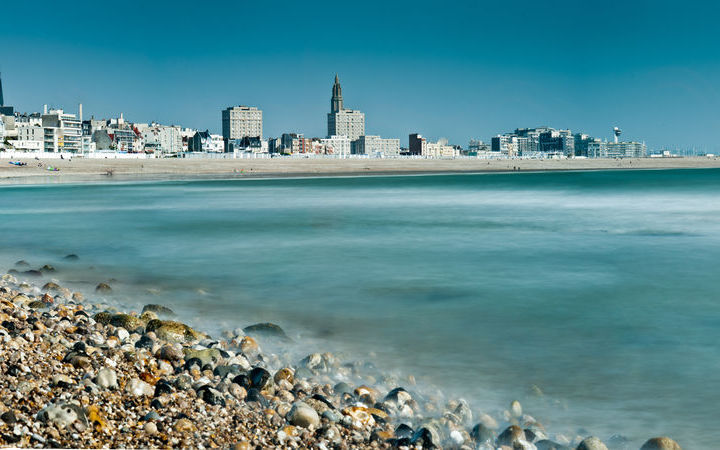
(601, 288)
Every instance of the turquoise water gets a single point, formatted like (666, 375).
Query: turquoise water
(601, 288)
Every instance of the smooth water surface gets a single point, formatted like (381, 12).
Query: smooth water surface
(601, 288)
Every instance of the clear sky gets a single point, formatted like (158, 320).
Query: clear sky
(459, 70)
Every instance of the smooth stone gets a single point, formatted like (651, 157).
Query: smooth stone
(184, 425)
(106, 378)
(183, 382)
(122, 334)
(488, 421)
(207, 356)
(661, 443)
(138, 387)
(259, 378)
(171, 331)
(62, 381)
(71, 257)
(481, 433)
(516, 409)
(266, 330)
(162, 387)
(284, 374)
(103, 288)
(152, 415)
(159, 310)
(511, 435)
(125, 321)
(60, 415)
(173, 352)
(332, 416)
(211, 396)
(145, 342)
(546, 444)
(150, 428)
(237, 391)
(302, 415)
(591, 443)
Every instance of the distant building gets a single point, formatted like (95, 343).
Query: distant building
(626, 150)
(248, 145)
(4, 110)
(341, 121)
(162, 139)
(203, 141)
(62, 132)
(241, 121)
(478, 146)
(337, 145)
(30, 138)
(375, 146)
(416, 144)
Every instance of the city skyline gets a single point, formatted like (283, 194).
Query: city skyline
(485, 70)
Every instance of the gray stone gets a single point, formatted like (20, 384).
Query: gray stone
(302, 415)
(591, 443)
(106, 378)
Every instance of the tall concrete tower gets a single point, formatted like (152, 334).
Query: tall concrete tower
(617, 132)
(336, 103)
(2, 100)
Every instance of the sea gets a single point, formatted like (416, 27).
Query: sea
(591, 297)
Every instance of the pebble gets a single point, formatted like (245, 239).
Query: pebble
(592, 443)
(516, 409)
(660, 443)
(303, 415)
(171, 352)
(138, 387)
(150, 428)
(106, 378)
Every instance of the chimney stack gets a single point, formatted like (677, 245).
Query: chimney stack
(80, 112)
(44, 109)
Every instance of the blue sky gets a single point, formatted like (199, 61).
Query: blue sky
(459, 70)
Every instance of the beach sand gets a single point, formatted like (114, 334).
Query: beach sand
(79, 168)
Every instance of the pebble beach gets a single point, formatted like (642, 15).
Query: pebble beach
(81, 371)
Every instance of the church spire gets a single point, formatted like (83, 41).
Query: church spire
(336, 103)
(2, 101)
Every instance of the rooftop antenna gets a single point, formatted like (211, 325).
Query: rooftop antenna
(617, 131)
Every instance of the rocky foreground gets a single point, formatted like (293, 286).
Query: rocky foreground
(78, 373)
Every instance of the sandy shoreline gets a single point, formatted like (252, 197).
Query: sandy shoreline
(93, 169)
(79, 373)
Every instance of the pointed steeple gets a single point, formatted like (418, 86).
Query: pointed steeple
(2, 100)
(336, 103)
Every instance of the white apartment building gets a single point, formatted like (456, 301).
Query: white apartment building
(337, 145)
(241, 121)
(62, 132)
(376, 146)
(30, 137)
(346, 122)
(162, 139)
(439, 149)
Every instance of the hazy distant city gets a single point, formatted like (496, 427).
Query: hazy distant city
(55, 132)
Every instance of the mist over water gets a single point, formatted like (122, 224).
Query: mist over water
(600, 288)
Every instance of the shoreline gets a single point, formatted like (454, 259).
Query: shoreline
(84, 170)
(82, 373)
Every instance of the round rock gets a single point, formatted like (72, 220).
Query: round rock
(592, 443)
(661, 443)
(302, 415)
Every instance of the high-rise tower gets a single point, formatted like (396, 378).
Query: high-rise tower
(336, 103)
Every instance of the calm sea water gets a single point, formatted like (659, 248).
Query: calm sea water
(601, 288)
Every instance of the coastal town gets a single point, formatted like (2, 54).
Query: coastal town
(56, 133)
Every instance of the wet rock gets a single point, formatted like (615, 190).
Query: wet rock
(103, 317)
(138, 388)
(183, 382)
(302, 415)
(8, 417)
(332, 416)
(426, 437)
(511, 435)
(51, 287)
(546, 444)
(172, 331)
(225, 370)
(163, 387)
(22, 263)
(591, 443)
(259, 378)
(243, 380)
(145, 342)
(404, 431)
(103, 288)
(32, 273)
(160, 310)
(360, 415)
(284, 374)
(266, 330)
(254, 395)
(660, 443)
(106, 378)
(237, 391)
(207, 357)
(516, 409)
(172, 352)
(125, 321)
(211, 396)
(47, 268)
(480, 433)
(71, 257)
(249, 346)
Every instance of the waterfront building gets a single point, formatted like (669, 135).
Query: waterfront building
(248, 145)
(337, 145)
(440, 149)
(375, 146)
(626, 150)
(62, 132)
(511, 145)
(30, 138)
(416, 144)
(204, 141)
(162, 139)
(341, 121)
(290, 143)
(241, 121)
(477, 146)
